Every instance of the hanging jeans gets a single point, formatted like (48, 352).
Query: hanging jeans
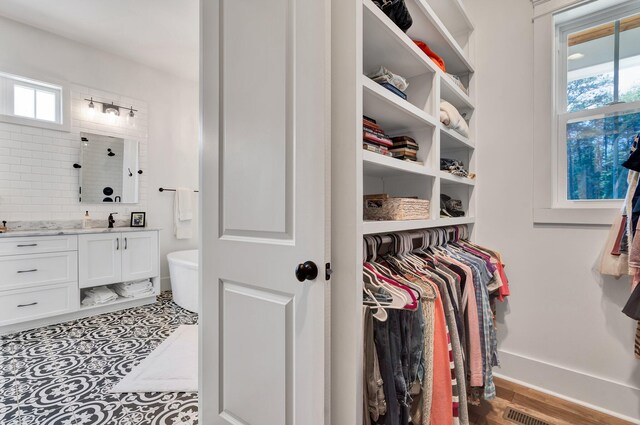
(399, 336)
(383, 348)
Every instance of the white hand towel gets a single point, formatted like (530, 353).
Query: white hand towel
(184, 200)
(182, 213)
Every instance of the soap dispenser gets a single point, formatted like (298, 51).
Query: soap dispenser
(86, 220)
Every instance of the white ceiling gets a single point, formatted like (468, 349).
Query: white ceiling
(162, 34)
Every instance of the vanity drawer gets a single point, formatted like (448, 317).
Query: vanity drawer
(18, 271)
(37, 244)
(35, 303)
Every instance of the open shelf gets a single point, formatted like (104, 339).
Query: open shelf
(430, 29)
(451, 139)
(385, 44)
(382, 166)
(448, 178)
(120, 300)
(373, 227)
(390, 111)
(450, 92)
(453, 15)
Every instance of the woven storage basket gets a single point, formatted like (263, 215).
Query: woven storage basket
(396, 209)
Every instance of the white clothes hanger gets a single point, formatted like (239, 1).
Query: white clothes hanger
(380, 313)
(399, 297)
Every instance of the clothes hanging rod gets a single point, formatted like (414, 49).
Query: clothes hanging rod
(417, 235)
(386, 240)
(162, 189)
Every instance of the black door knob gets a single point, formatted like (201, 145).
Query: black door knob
(306, 271)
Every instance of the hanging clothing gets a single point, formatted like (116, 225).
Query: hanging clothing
(637, 345)
(436, 342)
(374, 398)
(630, 241)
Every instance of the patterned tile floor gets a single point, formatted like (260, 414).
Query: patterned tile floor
(61, 374)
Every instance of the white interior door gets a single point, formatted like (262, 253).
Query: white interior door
(139, 255)
(265, 133)
(99, 259)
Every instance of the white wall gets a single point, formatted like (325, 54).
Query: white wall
(562, 329)
(172, 154)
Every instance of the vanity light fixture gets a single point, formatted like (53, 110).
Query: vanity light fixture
(575, 56)
(111, 108)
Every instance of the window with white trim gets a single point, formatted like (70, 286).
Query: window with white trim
(31, 102)
(597, 106)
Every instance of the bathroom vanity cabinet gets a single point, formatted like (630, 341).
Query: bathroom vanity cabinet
(116, 257)
(43, 273)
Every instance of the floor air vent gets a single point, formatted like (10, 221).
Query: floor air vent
(522, 418)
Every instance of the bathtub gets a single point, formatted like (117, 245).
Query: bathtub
(183, 269)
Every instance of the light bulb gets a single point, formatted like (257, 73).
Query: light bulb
(112, 117)
(131, 118)
(91, 111)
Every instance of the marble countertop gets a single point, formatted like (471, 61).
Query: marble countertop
(59, 232)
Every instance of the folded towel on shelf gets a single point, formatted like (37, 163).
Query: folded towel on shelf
(435, 58)
(383, 75)
(134, 289)
(98, 295)
(183, 213)
(450, 117)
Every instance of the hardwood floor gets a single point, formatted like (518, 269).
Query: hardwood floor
(545, 407)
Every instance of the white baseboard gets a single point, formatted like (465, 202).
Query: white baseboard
(609, 397)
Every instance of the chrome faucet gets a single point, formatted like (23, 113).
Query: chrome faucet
(111, 220)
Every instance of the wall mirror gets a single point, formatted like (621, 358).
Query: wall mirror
(109, 169)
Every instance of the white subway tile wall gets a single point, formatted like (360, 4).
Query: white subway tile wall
(37, 178)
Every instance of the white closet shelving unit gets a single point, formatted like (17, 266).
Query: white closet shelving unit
(363, 39)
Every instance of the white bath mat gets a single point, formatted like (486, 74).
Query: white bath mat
(172, 367)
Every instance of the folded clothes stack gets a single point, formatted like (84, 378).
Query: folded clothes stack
(139, 288)
(431, 54)
(455, 167)
(450, 207)
(374, 138)
(98, 295)
(405, 148)
(392, 82)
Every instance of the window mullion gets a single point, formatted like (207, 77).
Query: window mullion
(616, 62)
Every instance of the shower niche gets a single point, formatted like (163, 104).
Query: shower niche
(108, 169)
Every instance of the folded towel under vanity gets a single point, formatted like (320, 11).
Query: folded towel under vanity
(183, 213)
(140, 288)
(98, 295)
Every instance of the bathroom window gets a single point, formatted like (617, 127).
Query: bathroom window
(31, 102)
